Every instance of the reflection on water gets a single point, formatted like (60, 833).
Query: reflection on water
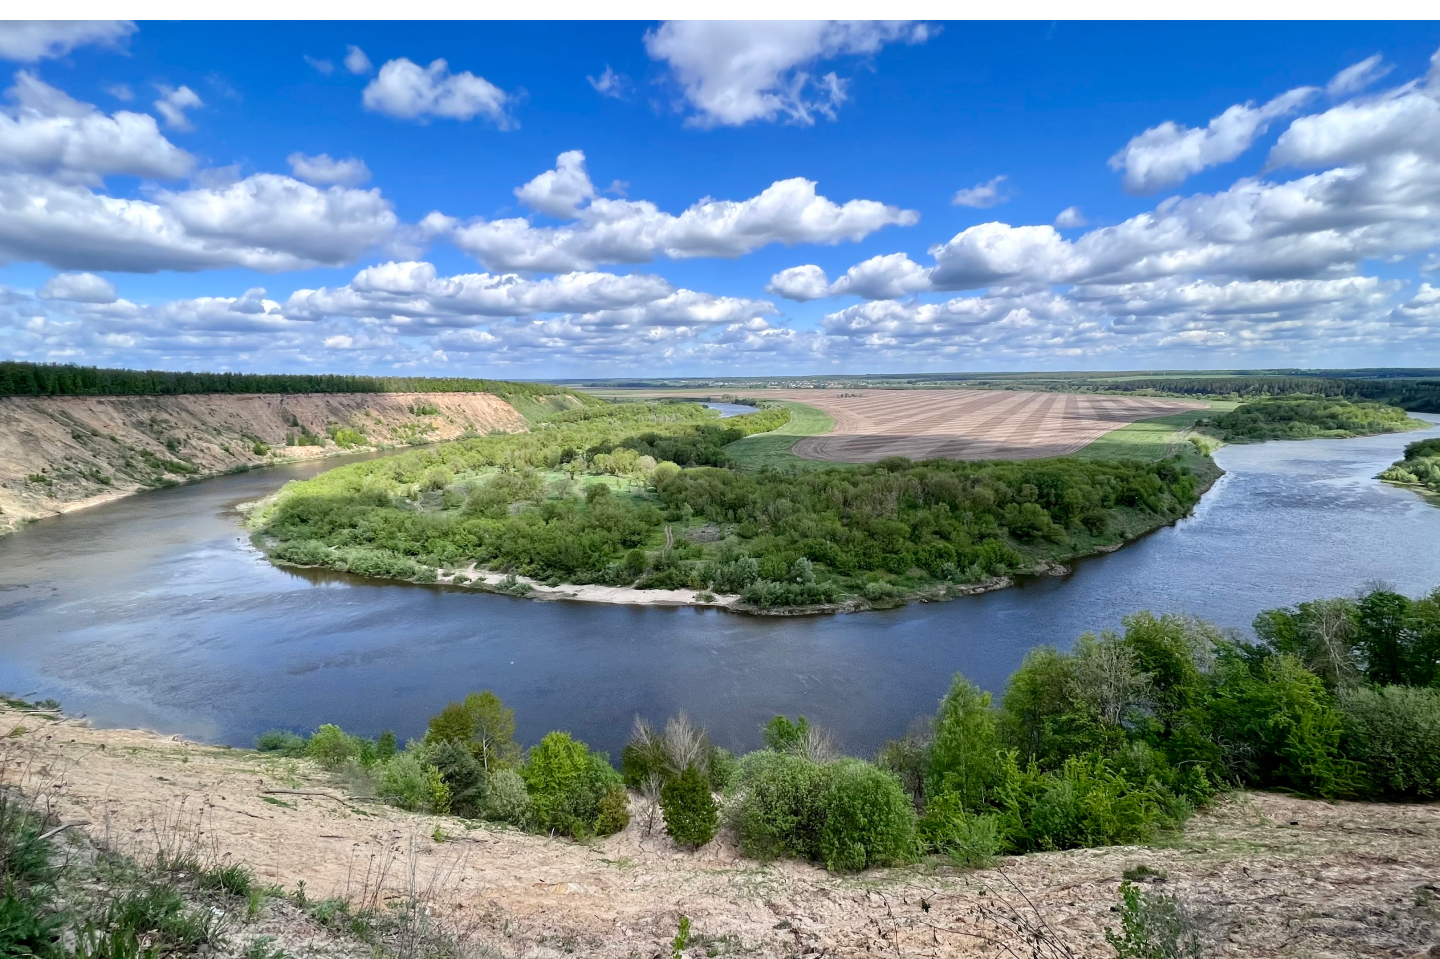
(156, 611)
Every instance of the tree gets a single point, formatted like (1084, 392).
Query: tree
(965, 757)
(689, 808)
(1382, 618)
(482, 723)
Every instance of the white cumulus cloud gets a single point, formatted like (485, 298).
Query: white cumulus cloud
(356, 61)
(629, 231)
(1358, 76)
(982, 195)
(1166, 155)
(408, 91)
(48, 132)
(562, 191)
(733, 72)
(323, 170)
(173, 103)
(1071, 217)
(78, 288)
(29, 40)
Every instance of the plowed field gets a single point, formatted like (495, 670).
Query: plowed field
(964, 424)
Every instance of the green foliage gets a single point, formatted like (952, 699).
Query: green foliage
(965, 760)
(1281, 726)
(18, 378)
(409, 781)
(1307, 417)
(567, 782)
(778, 810)
(332, 747)
(783, 736)
(874, 533)
(463, 775)
(507, 800)
(868, 819)
(971, 840)
(1086, 802)
(1393, 732)
(281, 741)
(613, 813)
(483, 724)
(689, 808)
(681, 941)
(1152, 926)
(1420, 467)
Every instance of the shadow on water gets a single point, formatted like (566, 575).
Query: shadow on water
(157, 611)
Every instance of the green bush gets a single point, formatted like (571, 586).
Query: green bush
(464, 778)
(868, 818)
(1281, 727)
(613, 813)
(410, 782)
(1394, 734)
(1086, 802)
(332, 747)
(281, 741)
(689, 808)
(506, 799)
(971, 840)
(1153, 926)
(567, 782)
(778, 811)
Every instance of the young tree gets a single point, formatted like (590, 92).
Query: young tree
(965, 757)
(482, 723)
(689, 808)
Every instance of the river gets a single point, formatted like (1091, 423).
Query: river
(155, 611)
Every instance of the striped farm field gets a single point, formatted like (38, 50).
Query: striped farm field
(964, 424)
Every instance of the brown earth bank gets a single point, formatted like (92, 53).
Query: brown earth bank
(63, 453)
(1263, 874)
(964, 424)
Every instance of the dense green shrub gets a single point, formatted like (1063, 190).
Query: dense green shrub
(868, 819)
(507, 800)
(567, 782)
(1280, 727)
(1086, 802)
(971, 840)
(1393, 733)
(409, 781)
(332, 747)
(464, 778)
(778, 811)
(281, 741)
(482, 724)
(689, 808)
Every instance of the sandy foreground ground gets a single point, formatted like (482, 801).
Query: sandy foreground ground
(964, 424)
(74, 441)
(1264, 875)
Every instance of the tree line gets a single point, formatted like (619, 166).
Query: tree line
(18, 378)
(1119, 738)
(1420, 467)
(545, 504)
(1306, 416)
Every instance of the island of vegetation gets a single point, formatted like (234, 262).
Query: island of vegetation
(1302, 417)
(1420, 469)
(646, 496)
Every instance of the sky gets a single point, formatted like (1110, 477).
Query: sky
(553, 200)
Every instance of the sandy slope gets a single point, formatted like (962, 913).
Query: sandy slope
(75, 440)
(1267, 875)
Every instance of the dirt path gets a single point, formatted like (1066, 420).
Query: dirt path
(63, 453)
(1267, 875)
(964, 424)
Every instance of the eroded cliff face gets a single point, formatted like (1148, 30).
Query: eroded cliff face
(63, 453)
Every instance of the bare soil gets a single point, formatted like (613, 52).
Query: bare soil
(1264, 875)
(63, 453)
(964, 424)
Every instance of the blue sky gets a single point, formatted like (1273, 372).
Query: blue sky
(722, 198)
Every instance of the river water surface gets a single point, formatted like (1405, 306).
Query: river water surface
(155, 611)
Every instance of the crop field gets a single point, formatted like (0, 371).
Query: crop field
(964, 424)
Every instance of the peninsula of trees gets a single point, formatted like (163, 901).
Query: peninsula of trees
(645, 496)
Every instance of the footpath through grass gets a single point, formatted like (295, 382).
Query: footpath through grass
(773, 448)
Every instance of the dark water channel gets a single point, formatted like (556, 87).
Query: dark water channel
(155, 611)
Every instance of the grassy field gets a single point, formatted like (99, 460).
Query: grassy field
(1151, 439)
(773, 449)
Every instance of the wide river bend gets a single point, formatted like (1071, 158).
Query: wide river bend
(155, 611)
